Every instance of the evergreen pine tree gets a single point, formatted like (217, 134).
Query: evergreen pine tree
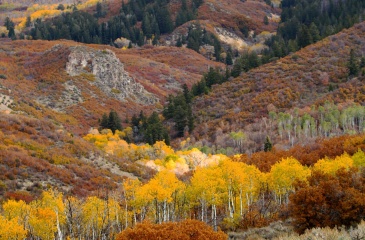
(190, 119)
(99, 10)
(186, 93)
(104, 121)
(304, 36)
(114, 122)
(28, 22)
(146, 26)
(352, 64)
(229, 60)
(314, 32)
(61, 7)
(179, 42)
(267, 144)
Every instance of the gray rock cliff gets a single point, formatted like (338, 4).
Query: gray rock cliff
(109, 73)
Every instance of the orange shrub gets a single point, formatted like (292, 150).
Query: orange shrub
(185, 230)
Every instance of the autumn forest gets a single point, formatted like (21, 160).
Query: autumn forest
(191, 119)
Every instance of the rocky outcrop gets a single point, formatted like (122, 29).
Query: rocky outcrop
(5, 102)
(109, 73)
(231, 39)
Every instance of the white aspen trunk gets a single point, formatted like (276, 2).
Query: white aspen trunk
(229, 203)
(59, 232)
(214, 217)
(248, 200)
(164, 211)
(279, 199)
(159, 214)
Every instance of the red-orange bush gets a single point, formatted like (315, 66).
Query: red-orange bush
(185, 230)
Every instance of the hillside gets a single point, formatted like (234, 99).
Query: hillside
(201, 135)
(35, 78)
(308, 77)
(232, 25)
(238, 24)
(37, 153)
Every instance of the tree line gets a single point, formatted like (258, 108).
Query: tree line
(305, 22)
(154, 16)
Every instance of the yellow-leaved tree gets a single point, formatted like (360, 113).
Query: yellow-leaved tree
(47, 215)
(208, 188)
(132, 205)
(331, 166)
(359, 158)
(16, 210)
(162, 193)
(282, 176)
(11, 229)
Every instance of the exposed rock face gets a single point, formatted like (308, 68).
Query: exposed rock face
(109, 73)
(122, 42)
(231, 38)
(5, 102)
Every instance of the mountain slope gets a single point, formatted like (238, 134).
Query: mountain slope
(310, 76)
(35, 74)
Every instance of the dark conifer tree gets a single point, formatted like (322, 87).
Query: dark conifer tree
(104, 121)
(352, 65)
(267, 144)
(114, 122)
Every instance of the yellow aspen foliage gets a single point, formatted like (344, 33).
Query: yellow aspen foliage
(16, 210)
(11, 229)
(209, 185)
(42, 223)
(331, 166)
(54, 201)
(161, 150)
(47, 215)
(359, 158)
(253, 178)
(21, 24)
(130, 187)
(94, 213)
(283, 174)
(44, 13)
(161, 187)
(114, 210)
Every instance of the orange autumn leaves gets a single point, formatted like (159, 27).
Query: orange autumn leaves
(41, 11)
(158, 156)
(226, 189)
(187, 229)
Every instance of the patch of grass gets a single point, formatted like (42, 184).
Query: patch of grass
(88, 76)
(2, 76)
(116, 91)
(7, 7)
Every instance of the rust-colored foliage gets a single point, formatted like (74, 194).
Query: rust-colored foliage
(329, 200)
(185, 230)
(296, 81)
(309, 154)
(34, 151)
(19, 195)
